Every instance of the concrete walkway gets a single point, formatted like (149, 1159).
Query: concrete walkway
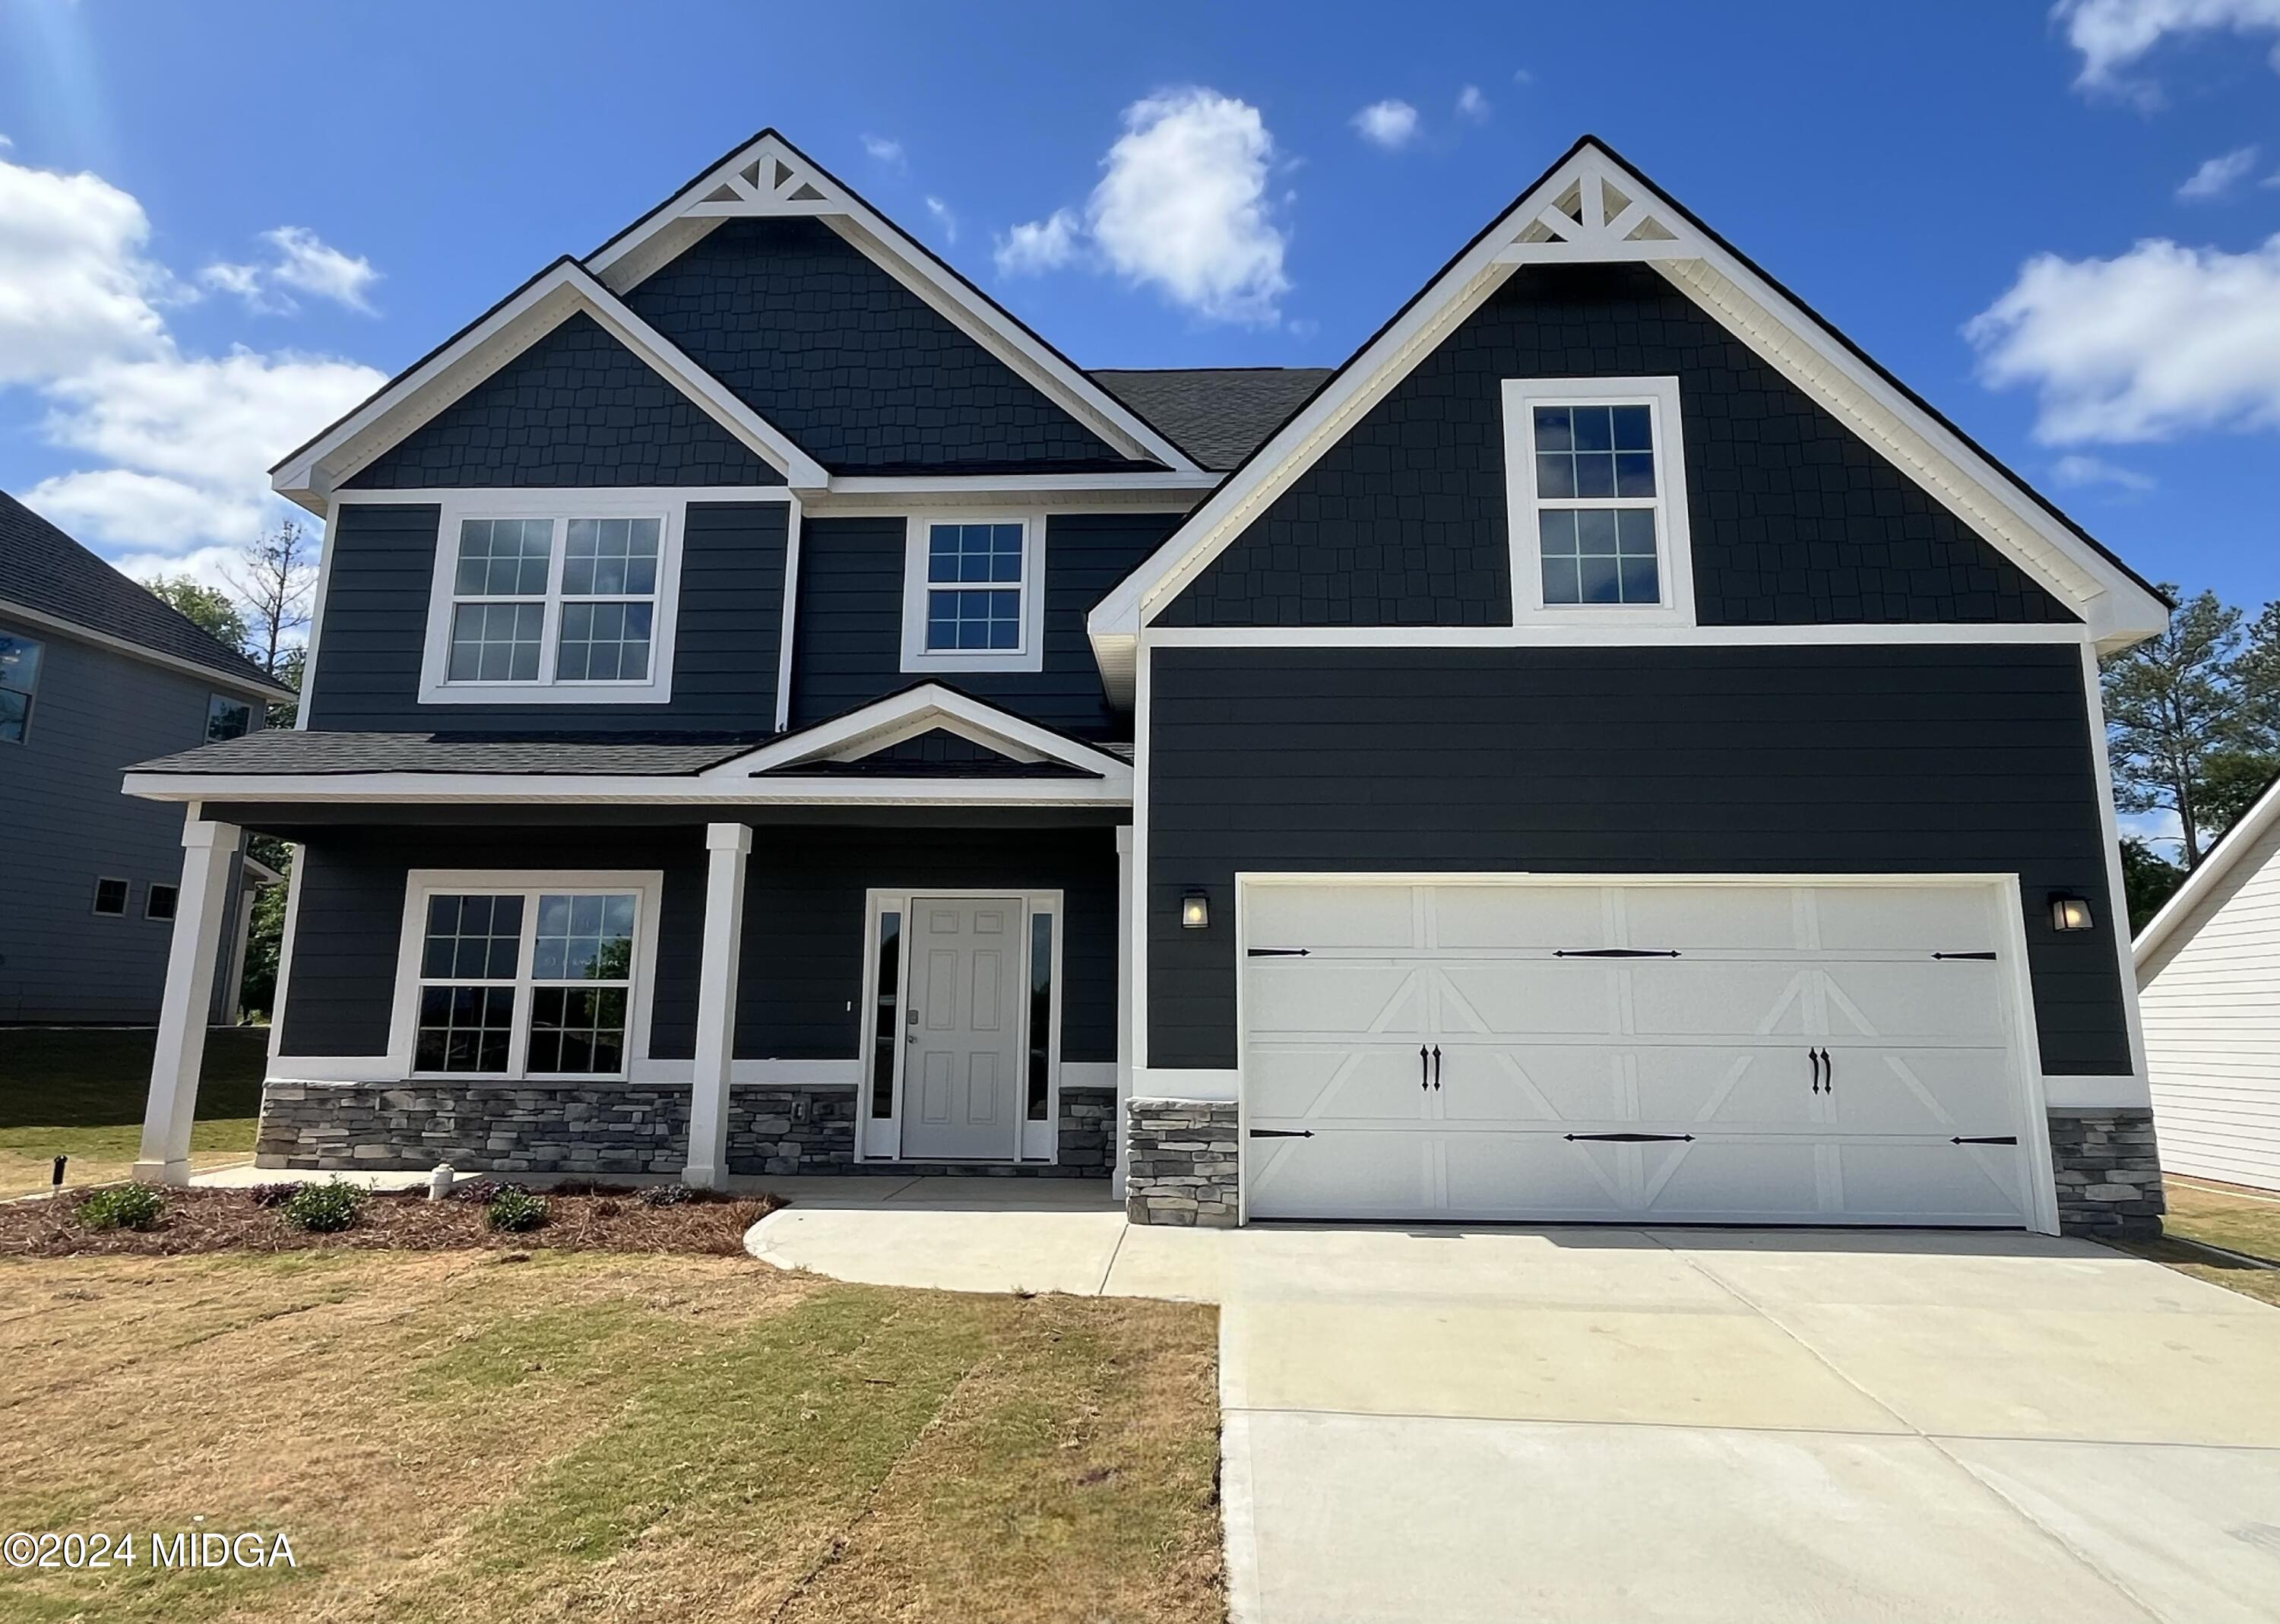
(1701, 1425)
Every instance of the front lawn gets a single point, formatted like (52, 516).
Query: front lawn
(79, 1092)
(486, 1435)
(2243, 1220)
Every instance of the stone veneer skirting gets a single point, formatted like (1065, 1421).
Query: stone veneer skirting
(605, 1128)
(1183, 1166)
(2108, 1171)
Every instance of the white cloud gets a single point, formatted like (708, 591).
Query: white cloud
(1389, 124)
(1183, 208)
(2218, 176)
(2114, 34)
(2077, 470)
(2162, 340)
(314, 267)
(1472, 104)
(883, 151)
(1039, 245)
(943, 218)
(1521, 76)
(177, 444)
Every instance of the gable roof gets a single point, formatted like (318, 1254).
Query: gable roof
(768, 176)
(1592, 206)
(2246, 834)
(49, 579)
(1221, 414)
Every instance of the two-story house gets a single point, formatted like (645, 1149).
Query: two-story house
(1606, 751)
(95, 674)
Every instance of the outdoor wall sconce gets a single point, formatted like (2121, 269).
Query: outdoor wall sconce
(1195, 912)
(2070, 913)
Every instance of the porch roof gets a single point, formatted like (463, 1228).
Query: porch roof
(285, 751)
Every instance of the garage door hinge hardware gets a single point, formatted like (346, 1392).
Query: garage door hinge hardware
(1615, 952)
(1986, 956)
(1281, 1132)
(1632, 1138)
(1276, 953)
(1985, 1139)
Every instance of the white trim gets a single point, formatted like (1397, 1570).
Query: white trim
(985, 485)
(790, 627)
(1673, 546)
(712, 1065)
(1135, 922)
(1112, 788)
(913, 711)
(1184, 1084)
(285, 954)
(1559, 636)
(323, 1069)
(2118, 610)
(2116, 922)
(1121, 1078)
(186, 1003)
(2236, 842)
(314, 472)
(560, 507)
(430, 495)
(419, 883)
(1030, 653)
(769, 176)
(2026, 1043)
(2062, 1094)
(257, 689)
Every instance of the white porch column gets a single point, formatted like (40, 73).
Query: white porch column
(209, 853)
(1125, 910)
(727, 844)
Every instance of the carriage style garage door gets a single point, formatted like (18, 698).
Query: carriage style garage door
(1664, 1053)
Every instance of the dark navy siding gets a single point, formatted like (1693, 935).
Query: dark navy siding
(375, 620)
(1861, 759)
(576, 408)
(862, 374)
(849, 646)
(801, 979)
(1795, 519)
(349, 921)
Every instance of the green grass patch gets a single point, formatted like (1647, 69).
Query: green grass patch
(2238, 1220)
(79, 1092)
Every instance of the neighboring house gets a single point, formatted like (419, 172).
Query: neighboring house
(2208, 978)
(95, 674)
(1607, 751)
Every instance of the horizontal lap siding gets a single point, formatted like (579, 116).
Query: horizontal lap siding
(381, 570)
(1860, 759)
(2211, 1004)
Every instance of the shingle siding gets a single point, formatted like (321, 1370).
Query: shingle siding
(576, 409)
(862, 374)
(1972, 758)
(375, 622)
(848, 647)
(1795, 519)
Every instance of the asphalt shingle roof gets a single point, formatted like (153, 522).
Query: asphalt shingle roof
(286, 751)
(46, 570)
(1218, 414)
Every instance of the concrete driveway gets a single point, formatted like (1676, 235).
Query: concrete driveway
(1585, 1424)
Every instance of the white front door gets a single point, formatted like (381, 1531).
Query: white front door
(1667, 1053)
(962, 1029)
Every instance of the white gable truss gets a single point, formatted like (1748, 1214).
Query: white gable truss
(416, 396)
(767, 177)
(926, 708)
(1591, 207)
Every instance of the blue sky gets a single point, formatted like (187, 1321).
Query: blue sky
(225, 214)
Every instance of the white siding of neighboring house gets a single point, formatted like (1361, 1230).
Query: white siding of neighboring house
(2210, 996)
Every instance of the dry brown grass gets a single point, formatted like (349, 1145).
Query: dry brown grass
(583, 1435)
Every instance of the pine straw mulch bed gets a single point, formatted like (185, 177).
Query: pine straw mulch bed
(579, 1218)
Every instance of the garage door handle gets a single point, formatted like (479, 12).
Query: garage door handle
(1632, 1138)
(1988, 956)
(1985, 1139)
(1276, 953)
(1424, 1069)
(1813, 1058)
(1615, 952)
(1437, 1065)
(1281, 1132)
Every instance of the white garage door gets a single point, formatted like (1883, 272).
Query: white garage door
(1683, 1052)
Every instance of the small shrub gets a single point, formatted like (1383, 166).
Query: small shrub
(122, 1206)
(666, 1195)
(323, 1209)
(274, 1195)
(515, 1210)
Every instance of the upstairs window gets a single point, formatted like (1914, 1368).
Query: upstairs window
(1598, 499)
(227, 718)
(573, 605)
(973, 596)
(20, 679)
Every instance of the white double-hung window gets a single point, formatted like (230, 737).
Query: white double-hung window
(1596, 487)
(573, 605)
(974, 592)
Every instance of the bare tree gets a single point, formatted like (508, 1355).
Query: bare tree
(274, 580)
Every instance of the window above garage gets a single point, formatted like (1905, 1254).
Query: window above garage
(1596, 479)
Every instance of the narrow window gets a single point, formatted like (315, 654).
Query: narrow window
(1596, 504)
(498, 599)
(609, 591)
(227, 718)
(1041, 1014)
(19, 678)
(160, 903)
(974, 587)
(110, 898)
(884, 1036)
(582, 976)
(468, 963)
